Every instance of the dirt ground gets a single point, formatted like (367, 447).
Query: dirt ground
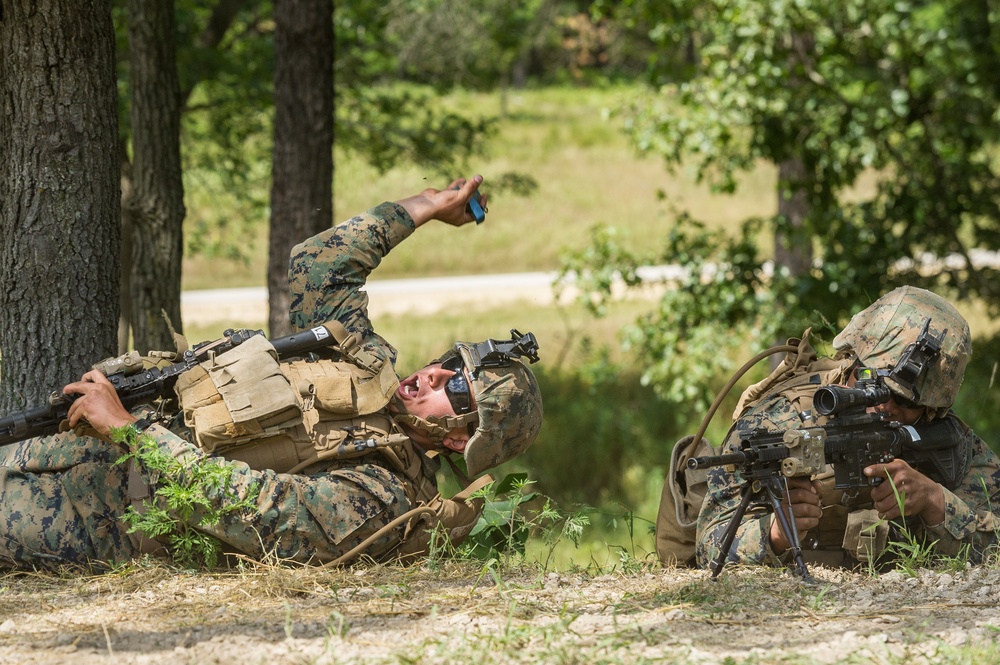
(465, 613)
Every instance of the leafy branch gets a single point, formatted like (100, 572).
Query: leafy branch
(186, 500)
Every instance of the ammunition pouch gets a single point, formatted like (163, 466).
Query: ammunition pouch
(246, 405)
(866, 536)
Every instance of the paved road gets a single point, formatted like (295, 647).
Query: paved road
(432, 294)
(390, 296)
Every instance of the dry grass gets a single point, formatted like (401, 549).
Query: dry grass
(458, 613)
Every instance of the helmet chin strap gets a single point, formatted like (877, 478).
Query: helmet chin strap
(436, 428)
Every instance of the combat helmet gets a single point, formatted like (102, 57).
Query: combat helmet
(921, 341)
(508, 401)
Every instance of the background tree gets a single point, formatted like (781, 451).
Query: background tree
(154, 41)
(383, 121)
(883, 115)
(302, 171)
(59, 194)
(153, 200)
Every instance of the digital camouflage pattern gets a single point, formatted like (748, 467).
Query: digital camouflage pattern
(508, 400)
(328, 272)
(879, 335)
(62, 496)
(510, 413)
(969, 520)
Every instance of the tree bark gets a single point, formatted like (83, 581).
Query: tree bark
(153, 212)
(302, 184)
(792, 246)
(59, 195)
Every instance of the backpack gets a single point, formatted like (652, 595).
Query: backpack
(684, 491)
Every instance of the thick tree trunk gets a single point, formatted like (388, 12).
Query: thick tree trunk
(59, 194)
(153, 213)
(302, 185)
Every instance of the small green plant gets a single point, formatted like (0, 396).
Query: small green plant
(508, 520)
(182, 505)
(909, 552)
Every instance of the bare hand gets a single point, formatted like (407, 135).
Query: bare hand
(919, 494)
(806, 508)
(97, 404)
(446, 205)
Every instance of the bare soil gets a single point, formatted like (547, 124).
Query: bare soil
(466, 613)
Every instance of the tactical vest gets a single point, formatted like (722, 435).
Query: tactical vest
(305, 416)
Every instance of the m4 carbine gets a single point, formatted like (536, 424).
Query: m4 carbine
(138, 384)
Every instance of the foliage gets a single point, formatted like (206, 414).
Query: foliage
(718, 308)
(905, 91)
(510, 515)
(603, 433)
(389, 123)
(183, 506)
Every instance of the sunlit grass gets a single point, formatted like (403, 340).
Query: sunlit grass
(587, 173)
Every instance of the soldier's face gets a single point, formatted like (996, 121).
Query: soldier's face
(905, 415)
(425, 392)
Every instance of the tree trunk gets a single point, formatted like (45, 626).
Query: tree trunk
(153, 213)
(59, 194)
(302, 184)
(222, 17)
(792, 246)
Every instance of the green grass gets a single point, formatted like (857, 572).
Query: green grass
(563, 138)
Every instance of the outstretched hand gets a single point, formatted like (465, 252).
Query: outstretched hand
(97, 404)
(446, 205)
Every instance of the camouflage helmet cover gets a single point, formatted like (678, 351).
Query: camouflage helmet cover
(880, 334)
(509, 405)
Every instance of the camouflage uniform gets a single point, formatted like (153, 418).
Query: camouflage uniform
(786, 403)
(62, 496)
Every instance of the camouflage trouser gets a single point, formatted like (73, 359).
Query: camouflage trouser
(60, 500)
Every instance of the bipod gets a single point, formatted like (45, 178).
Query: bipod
(775, 488)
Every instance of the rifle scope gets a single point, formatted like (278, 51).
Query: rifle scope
(830, 400)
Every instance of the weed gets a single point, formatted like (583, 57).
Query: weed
(183, 505)
(508, 519)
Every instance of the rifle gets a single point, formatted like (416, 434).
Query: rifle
(137, 384)
(851, 440)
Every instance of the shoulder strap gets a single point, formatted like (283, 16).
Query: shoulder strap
(350, 346)
(797, 368)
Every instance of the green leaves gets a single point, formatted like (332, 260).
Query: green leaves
(191, 495)
(508, 519)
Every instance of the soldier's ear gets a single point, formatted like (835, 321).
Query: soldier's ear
(456, 440)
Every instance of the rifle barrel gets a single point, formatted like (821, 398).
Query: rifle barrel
(709, 461)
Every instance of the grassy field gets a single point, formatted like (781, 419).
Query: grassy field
(570, 143)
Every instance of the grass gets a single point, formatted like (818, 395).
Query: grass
(568, 142)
